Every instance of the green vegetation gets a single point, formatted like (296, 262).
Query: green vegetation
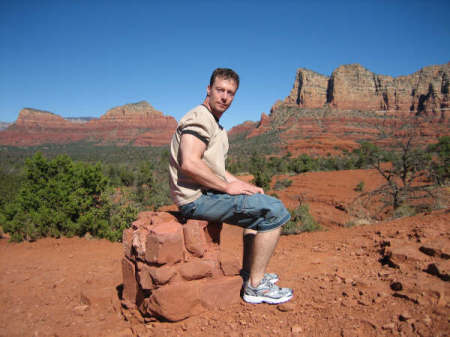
(359, 187)
(59, 197)
(301, 221)
(282, 184)
(411, 176)
(56, 190)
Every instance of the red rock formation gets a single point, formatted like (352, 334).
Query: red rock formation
(330, 114)
(353, 87)
(34, 127)
(310, 89)
(137, 124)
(242, 128)
(173, 271)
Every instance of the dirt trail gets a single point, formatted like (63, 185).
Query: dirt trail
(387, 279)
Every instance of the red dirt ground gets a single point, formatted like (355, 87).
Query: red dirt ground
(68, 287)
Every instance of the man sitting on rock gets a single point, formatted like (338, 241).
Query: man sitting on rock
(203, 189)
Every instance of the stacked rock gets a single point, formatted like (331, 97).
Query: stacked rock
(173, 270)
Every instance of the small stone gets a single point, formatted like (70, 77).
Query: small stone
(404, 316)
(285, 307)
(388, 326)
(363, 302)
(80, 309)
(396, 286)
(296, 329)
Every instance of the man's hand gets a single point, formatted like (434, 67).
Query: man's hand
(241, 187)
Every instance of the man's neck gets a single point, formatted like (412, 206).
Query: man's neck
(214, 113)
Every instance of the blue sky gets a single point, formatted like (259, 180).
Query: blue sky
(81, 58)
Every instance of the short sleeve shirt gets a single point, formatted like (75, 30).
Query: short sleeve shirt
(201, 123)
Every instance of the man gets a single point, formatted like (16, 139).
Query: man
(203, 189)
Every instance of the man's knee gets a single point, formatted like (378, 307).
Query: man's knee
(273, 211)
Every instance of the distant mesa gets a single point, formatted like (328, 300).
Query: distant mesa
(331, 114)
(321, 114)
(137, 124)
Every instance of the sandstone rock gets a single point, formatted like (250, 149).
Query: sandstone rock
(164, 280)
(162, 275)
(127, 240)
(144, 276)
(196, 270)
(194, 237)
(164, 243)
(175, 302)
(130, 286)
(139, 242)
(229, 264)
(310, 89)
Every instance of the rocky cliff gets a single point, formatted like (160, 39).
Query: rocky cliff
(353, 87)
(136, 124)
(331, 114)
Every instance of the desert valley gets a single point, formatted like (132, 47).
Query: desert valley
(369, 267)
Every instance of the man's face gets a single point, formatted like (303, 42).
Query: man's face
(221, 94)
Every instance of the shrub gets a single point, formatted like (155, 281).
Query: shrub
(281, 184)
(359, 187)
(61, 198)
(262, 175)
(301, 221)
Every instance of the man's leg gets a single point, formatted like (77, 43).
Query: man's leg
(264, 244)
(248, 239)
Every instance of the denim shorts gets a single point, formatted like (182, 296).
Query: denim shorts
(257, 211)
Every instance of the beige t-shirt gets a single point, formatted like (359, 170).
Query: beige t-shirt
(202, 123)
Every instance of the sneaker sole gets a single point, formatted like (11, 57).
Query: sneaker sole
(259, 299)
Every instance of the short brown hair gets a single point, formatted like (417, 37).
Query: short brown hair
(225, 73)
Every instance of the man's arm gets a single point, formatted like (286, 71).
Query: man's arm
(191, 152)
(231, 178)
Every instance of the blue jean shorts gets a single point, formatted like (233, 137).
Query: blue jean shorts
(257, 211)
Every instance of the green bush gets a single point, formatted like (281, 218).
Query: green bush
(301, 221)
(359, 187)
(259, 168)
(281, 184)
(60, 197)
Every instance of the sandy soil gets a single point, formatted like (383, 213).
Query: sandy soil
(384, 279)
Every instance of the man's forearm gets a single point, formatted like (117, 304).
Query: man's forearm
(230, 178)
(202, 174)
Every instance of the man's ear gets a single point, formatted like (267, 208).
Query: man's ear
(208, 90)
